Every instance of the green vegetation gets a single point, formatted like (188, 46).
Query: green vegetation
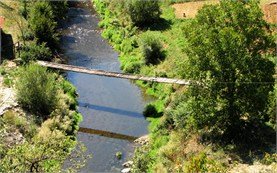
(35, 23)
(118, 155)
(33, 52)
(42, 22)
(228, 112)
(36, 85)
(36, 156)
(151, 48)
(44, 131)
(234, 76)
(39, 134)
(143, 12)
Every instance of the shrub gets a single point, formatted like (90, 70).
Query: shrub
(34, 52)
(27, 35)
(38, 155)
(143, 12)
(68, 88)
(151, 48)
(150, 111)
(141, 160)
(12, 118)
(42, 22)
(198, 163)
(36, 89)
(23, 10)
(59, 9)
(269, 158)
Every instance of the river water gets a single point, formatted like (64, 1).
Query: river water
(111, 108)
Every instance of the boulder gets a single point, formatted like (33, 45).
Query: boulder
(126, 170)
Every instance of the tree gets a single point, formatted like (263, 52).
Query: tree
(42, 22)
(59, 9)
(226, 43)
(143, 12)
(23, 8)
(32, 52)
(45, 155)
(151, 48)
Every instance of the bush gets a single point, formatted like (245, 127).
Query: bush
(36, 90)
(59, 9)
(198, 163)
(42, 22)
(27, 35)
(151, 48)
(143, 12)
(150, 111)
(34, 52)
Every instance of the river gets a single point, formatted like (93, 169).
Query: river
(111, 108)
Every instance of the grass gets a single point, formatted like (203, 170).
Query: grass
(167, 147)
(8, 9)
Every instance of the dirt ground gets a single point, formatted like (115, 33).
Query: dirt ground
(190, 9)
(270, 12)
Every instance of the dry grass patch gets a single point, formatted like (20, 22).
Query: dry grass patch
(270, 12)
(189, 9)
(9, 10)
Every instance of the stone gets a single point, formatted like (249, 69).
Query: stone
(128, 164)
(126, 170)
(144, 140)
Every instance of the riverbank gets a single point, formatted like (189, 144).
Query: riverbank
(170, 148)
(39, 118)
(111, 108)
(25, 134)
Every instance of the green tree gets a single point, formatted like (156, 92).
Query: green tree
(44, 155)
(226, 43)
(59, 9)
(151, 48)
(32, 52)
(143, 12)
(42, 22)
(36, 89)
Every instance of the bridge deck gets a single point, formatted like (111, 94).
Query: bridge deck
(112, 74)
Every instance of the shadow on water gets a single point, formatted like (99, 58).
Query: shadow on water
(107, 134)
(110, 110)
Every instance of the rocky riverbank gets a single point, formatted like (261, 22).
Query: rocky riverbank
(141, 141)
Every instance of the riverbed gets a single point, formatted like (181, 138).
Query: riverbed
(111, 107)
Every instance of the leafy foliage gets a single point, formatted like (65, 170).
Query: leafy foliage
(59, 9)
(225, 51)
(32, 52)
(42, 22)
(149, 110)
(37, 156)
(151, 48)
(143, 12)
(36, 89)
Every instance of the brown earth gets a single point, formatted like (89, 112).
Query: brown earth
(190, 9)
(2, 19)
(270, 12)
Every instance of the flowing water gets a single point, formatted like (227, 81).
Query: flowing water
(111, 108)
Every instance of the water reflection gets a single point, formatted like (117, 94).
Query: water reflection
(107, 134)
(110, 109)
